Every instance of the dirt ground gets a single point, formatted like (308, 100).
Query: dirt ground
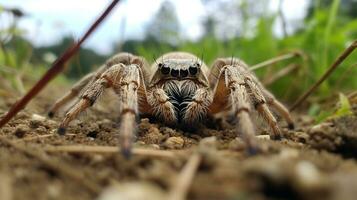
(310, 162)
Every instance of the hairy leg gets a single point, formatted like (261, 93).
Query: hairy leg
(259, 102)
(80, 86)
(239, 99)
(87, 99)
(279, 107)
(75, 90)
(231, 89)
(270, 99)
(125, 81)
(124, 58)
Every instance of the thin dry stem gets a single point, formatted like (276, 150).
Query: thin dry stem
(181, 187)
(332, 68)
(35, 137)
(55, 165)
(275, 60)
(108, 150)
(56, 68)
(283, 72)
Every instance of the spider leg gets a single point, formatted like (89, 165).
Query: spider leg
(231, 84)
(259, 101)
(88, 98)
(75, 90)
(127, 90)
(279, 107)
(125, 58)
(126, 81)
(235, 87)
(269, 98)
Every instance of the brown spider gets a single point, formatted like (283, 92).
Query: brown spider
(179, 90)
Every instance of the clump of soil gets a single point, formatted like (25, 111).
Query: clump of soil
(311, 162)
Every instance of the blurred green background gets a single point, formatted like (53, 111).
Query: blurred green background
(327, 29)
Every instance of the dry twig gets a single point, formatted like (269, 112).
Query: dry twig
(35, 137)
(181, 187)
(108, 150)
(56, 68)
(337, 62)
(283, 72)
(275, 60)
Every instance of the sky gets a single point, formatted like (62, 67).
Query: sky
(48, 21)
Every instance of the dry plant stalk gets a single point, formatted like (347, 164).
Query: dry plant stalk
(35, 137)
(276, 60)
(55, 165)
(108, 150)
(332, 68)
(283, 72)
(56, 68)
(181, 187)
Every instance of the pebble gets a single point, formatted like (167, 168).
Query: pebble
(321, 128)
(174, 143)
(21, 130)
(289, 153)
(133, 191)
(307, 174)
(263, 137)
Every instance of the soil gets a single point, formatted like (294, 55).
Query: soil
(310, 162)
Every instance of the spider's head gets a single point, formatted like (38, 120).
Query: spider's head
(173, 68)
(179, 69)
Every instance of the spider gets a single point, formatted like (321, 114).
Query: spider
(178, 90)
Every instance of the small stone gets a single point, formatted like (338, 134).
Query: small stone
(289, 153)
(38, 117)
(133, 191)
(153, 136)
(174, 143)
(167, 131)
(263, 137)
(139, 144)
(36, 121)
(308, 175)
(321, 128)
(21, 130)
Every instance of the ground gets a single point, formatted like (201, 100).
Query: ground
(314, 161)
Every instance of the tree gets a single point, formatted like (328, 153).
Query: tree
(347, 7)
(165, 26)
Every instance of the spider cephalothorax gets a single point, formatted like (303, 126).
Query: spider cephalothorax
(181, 80)
(178, 90)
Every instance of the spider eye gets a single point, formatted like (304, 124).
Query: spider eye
(175, 73)
(160, 65)
(164, 69)
(193, 70)
(198, 65)
(184, 73)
